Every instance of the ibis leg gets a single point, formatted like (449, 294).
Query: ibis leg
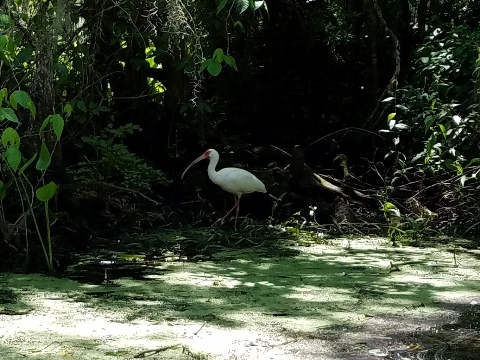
(236, 206)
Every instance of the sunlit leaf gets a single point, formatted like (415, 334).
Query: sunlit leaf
(391, 116)
(258, 4)
(388, 99)
(46, 192)
(242, 5)
(443, 130)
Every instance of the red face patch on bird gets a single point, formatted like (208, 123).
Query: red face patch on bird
(206, 154)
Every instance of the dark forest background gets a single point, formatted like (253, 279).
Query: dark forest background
(362, 112)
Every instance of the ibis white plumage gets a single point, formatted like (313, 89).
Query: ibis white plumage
(234, 180)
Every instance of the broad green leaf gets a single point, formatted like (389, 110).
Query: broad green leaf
(27, 164)
(14, 157)
(10, 138)
(44, 159)
(9, 114)
(58, 124)
(46, 192)
(230, 61)
(218, 55)
(391, 116)
(242, 5)
(67, 109)
(21, 98)
(23, 56)
(221, 5)
(214, 68)
(205, 65)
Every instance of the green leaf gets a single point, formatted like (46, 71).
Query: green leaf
(258, 4)
(242, 5)
(45, 124)
(46, 192)
(218, 55)
(3, 41)
(473, 161)
(27, 164)
(5, 20)
(388, 99)
(81, 106)
(230, 61)
(67, 109)
(391, 116)
(10, 138)
(3, 94)
(9, 114)
(58, 124)
(391, 208)
(443, 130)
(429, 120)
(214, 68)
(14, 157)
(23, 56)
(23, 99)
(44, 159)
(450, 165)
(205, 65)
(221, 5)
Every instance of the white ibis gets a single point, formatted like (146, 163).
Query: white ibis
(234, 180)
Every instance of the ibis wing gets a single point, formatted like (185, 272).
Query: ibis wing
(238, 181)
